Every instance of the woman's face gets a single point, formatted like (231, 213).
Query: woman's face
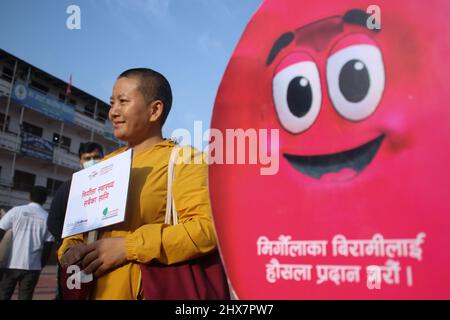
(129, 113)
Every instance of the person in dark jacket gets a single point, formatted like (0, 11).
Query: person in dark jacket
(89, 154)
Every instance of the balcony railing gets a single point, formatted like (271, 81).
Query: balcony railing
(5, 86)
(6, 183)
(88, 123)
(63, 158)
(96, 123)
(9, 141)
(11, 198)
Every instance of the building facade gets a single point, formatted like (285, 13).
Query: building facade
(41, 128)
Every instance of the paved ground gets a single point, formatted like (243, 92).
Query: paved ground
(46, 288)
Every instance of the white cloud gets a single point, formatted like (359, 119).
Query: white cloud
(218, 5)
(153, 8)
(133, 16)
(207, 43)
(157, 8)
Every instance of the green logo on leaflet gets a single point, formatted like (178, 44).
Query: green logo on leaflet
(108, 214)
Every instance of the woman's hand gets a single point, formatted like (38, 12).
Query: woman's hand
(104, 255)
(74, 255)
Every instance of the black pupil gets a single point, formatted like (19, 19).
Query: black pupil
(299, 96)
(354, 81)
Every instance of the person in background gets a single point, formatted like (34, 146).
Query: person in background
(31, 245)
(89, 154)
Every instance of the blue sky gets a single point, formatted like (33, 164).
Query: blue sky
(189, 41)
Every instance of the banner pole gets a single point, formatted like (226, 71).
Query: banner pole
(19, 135)
(9, 96)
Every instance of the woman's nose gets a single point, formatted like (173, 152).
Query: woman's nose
(114, 111)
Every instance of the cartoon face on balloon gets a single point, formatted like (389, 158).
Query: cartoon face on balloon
(358, 207)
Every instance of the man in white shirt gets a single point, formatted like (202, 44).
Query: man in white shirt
(31, 245)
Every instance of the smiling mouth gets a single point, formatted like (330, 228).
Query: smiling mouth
(355, 159)
(117, 123)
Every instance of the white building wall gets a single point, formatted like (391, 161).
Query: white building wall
(64, 162)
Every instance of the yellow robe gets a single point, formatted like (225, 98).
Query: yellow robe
(147, 237)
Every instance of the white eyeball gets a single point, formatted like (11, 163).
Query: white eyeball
(297, 96)
(356, 80)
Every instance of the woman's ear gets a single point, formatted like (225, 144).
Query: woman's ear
(156, 110)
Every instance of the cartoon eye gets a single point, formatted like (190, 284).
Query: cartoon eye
(297, 96)
(356, 79)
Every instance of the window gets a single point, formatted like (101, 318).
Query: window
(32, 129)
(2, 121)
(39, 87)
(23, 180)
(89, 111)
(102, 115)
(65, 142)
(7, 74)
(53, 185)
(72, 102)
